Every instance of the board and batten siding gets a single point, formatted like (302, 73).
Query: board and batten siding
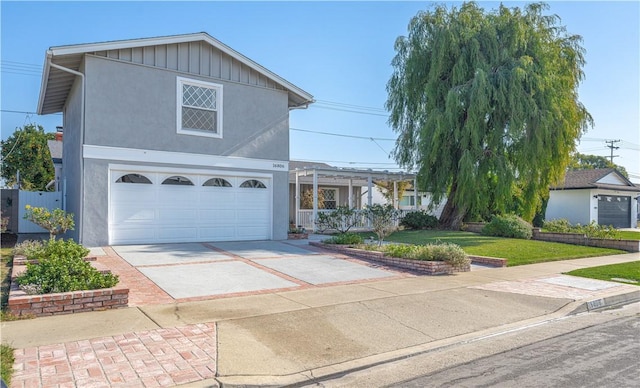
(198, 58)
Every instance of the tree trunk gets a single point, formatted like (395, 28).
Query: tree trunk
(452, 216)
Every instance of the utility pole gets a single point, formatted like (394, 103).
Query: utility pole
(610, 145)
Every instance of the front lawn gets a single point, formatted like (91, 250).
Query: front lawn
(629, 271)
(629, 235)
(516, 251)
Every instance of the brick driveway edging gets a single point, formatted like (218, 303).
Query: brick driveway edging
(154, 358)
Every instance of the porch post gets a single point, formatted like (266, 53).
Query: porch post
(415, 192)
(297, 199)
(315, 199)
(395, 195)
(350, 193)
(369, 193)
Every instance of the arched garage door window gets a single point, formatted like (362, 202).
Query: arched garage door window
(133, 178)
(177, 180)
(253, 184)
(217, 182)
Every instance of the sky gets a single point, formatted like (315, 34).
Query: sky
(340, 52)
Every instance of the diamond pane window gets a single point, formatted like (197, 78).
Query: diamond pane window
(199, 108)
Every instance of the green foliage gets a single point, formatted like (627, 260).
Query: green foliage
(26, 151)
(31, 249)
(61, 268)
(307, 199)
(613, 272)
(386, 189)
(6, 363)
(486, 102)
(341, 219)
(508, 225)
(419, 220)
(56, 221)
(593, 230)
(588, 162)
(383, 220)
(345, 239)
(447, 252)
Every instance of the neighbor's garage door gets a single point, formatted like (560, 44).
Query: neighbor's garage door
(154, 207)
(614, 210)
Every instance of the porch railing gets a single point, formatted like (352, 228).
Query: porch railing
(306, 218)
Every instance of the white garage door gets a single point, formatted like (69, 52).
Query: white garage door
(156, 207)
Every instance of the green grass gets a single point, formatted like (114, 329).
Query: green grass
(516, 251)
(630, 271)
(629, 235)
(6, 363)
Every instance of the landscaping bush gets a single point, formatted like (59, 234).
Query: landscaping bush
(61, 268)
(419, 220)
(447, 252)
(593, 230)
(341, 219)
(29, 249)
(383, 220)
(508, 225)
(345, 239)
(56, 221)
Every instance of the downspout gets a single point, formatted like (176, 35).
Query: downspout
(81, 153)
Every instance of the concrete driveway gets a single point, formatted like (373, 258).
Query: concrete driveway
(193, 270)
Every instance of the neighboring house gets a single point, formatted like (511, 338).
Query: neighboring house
(171, 139)
(55, 149)
(601, 195)
(335, 186)
(411, 202)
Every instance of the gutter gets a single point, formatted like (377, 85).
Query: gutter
(49, 64)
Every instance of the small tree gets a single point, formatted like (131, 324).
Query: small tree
(341, 219)
(56, 221)
(383, 220)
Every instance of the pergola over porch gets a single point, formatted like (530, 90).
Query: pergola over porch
(349, 177)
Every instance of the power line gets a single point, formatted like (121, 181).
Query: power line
(343, 135)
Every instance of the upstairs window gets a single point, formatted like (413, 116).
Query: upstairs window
(199, 108)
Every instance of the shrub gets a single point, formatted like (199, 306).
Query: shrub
(4, 223)
(593, 230)
(341, 219)
(345, 239)
(558, 226)
(447, 252)
(61, 268)
(383, 220)
(508, 225)
(56, 221)
(30, 249)
(419, 220)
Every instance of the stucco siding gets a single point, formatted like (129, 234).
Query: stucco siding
(72, 159)
(134, 106)
(573, 205)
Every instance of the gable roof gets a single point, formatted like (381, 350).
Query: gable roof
(594, 179)
(56, 83)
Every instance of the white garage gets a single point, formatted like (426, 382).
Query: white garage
(187, 206)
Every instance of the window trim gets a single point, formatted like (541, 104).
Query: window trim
(180, 81)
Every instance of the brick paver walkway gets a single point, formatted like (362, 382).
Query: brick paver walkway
(155, 358)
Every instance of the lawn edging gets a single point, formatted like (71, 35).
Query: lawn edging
(427, 267)
(569, 238)
(22, 304)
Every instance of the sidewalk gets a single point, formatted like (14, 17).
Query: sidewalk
(287, 337)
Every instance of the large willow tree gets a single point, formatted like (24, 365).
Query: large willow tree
(486, 106)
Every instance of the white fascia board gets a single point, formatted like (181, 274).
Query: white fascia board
(181, 158)
(44, 81)
(121, 44)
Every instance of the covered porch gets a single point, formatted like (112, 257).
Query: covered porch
(316, 189)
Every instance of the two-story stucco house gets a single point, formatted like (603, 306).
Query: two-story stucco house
(171, 139)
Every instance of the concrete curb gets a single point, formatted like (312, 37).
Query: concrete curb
(317, 375)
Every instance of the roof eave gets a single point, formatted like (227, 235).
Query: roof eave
(44, 82)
